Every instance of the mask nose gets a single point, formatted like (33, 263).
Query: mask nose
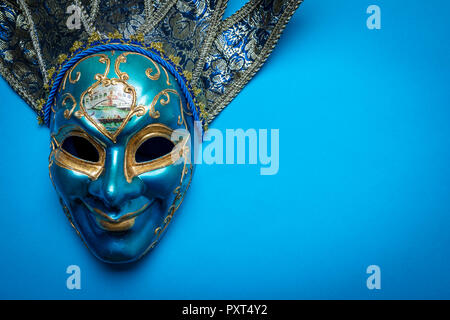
(111, 187)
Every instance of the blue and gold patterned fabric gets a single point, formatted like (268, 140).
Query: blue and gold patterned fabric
(219, 56)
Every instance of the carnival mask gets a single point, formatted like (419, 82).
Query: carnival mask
(115, 161)
(126, 97)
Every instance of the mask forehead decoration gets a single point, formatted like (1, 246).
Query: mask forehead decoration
(117, 93)
(113, 88)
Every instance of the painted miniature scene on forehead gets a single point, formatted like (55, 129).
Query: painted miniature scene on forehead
(109, 106)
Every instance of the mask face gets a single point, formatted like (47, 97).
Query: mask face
(118, 160)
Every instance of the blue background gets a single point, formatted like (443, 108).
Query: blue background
(364, 177)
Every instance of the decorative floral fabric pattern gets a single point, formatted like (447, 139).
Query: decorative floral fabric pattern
(123, 16)
(221, 55)
(18, 59)
(241, 48)
(184, 29)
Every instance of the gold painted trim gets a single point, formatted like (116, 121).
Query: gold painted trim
(67, 112)
(148, 71)
(65, 160)
(103, 58)
(155, 114)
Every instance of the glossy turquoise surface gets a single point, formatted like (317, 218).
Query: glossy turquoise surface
(111, 193)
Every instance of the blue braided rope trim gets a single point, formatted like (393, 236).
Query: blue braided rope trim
(118, 47)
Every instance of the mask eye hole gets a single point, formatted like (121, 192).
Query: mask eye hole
(153, 148)
(81, 148)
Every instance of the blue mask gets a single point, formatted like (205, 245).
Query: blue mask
(119, 160)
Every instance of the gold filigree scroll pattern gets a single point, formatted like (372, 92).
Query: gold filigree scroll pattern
(155, 114)
(67, 112)
(103, 58)
(124, 77)
(148, 72)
